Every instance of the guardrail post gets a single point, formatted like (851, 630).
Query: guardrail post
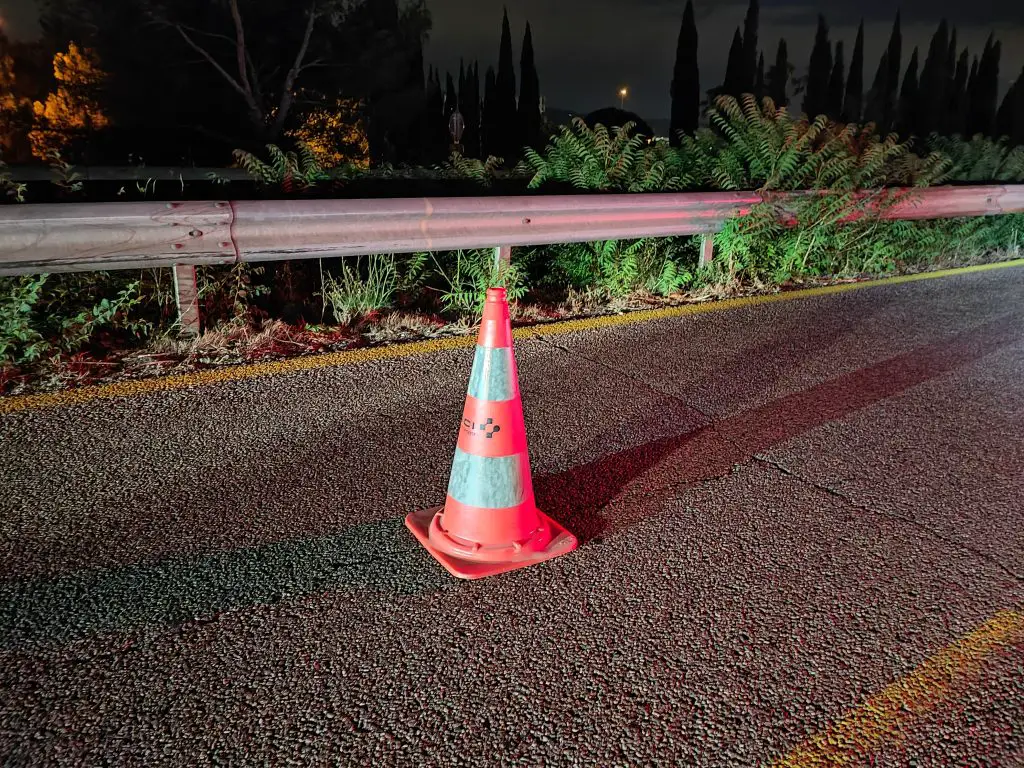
(502, 257)
(186, 293)
(707, 250)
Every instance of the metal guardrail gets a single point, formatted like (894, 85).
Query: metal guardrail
(102, 236)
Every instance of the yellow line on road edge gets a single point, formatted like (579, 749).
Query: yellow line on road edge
(350, 357)
(883, 718)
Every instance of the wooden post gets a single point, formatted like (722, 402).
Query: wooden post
(707, 250)
(186, 292)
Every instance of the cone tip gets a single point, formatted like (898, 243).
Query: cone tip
(496, 294)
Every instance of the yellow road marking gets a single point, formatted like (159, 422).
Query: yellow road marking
(882, 719)
(351, 357)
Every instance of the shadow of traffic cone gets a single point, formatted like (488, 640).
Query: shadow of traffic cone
(490, 523)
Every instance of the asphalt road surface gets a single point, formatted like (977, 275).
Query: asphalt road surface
(802, 543)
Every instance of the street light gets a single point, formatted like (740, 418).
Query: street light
(623, 93)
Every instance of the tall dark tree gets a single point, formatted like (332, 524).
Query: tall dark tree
(469, 100)
(435, 124)
(875, 106)
(749, 70)
(854, 96)
(972, 84)
(451, 97)
(835, 85)
(759, 85)
(985, 91)
(909, 120)
(685, 90)
(529, 95)
(818, 73)
(462, 83)
(933, 97)
(895, 59)
(506, 123)
(489, 125)
(882, 99)
(958, 102)
(1010, 116)
(778, 75)
(733, 85)
(1017, 125)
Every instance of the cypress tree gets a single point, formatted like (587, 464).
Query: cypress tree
(972, 84)
(749, 69)
(895, 59)
(469, 99)
(985, 94)
(874, 110)
(819, 71)
(529, 94)
(734, 68)
(934, 80)
(1010, 117)
(778, 75)
(685, 90)
(462, 85)
(451, 98)
(1017, 119)
(909, 118)
(490, 125)
(835, 86)
(853, 100)
(882, 98)
(957, 123)
(437, 125)
(431, 114)
(759, 78)
(506, 123)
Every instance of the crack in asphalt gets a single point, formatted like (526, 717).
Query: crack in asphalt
(828, 490)
(631, 376)
(713, 423)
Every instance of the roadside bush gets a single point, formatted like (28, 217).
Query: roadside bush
(621, 267)
(465, 276)
(43, 315)
(370, 284)
(599, 159)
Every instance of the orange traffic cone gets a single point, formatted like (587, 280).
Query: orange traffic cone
(489, 523)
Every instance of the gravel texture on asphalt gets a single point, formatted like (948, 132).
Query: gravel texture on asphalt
(802, 543)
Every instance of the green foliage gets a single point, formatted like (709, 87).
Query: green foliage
(468, 274)
(11, 189)
(834, 229)
(618, 268)
(64, 174)
(227, 293)
(43, 314)
(608, 160)
(20, 342)
(369, 286)
(293, 170)
(481, 172)
(767, 148)
(979, 159)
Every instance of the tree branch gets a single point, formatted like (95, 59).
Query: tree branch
(240, 50)
(289, 81)
(243, 88)
(202, 52)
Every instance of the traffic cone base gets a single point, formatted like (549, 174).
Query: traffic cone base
(550, 540)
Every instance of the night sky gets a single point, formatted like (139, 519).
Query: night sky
(587, 49)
